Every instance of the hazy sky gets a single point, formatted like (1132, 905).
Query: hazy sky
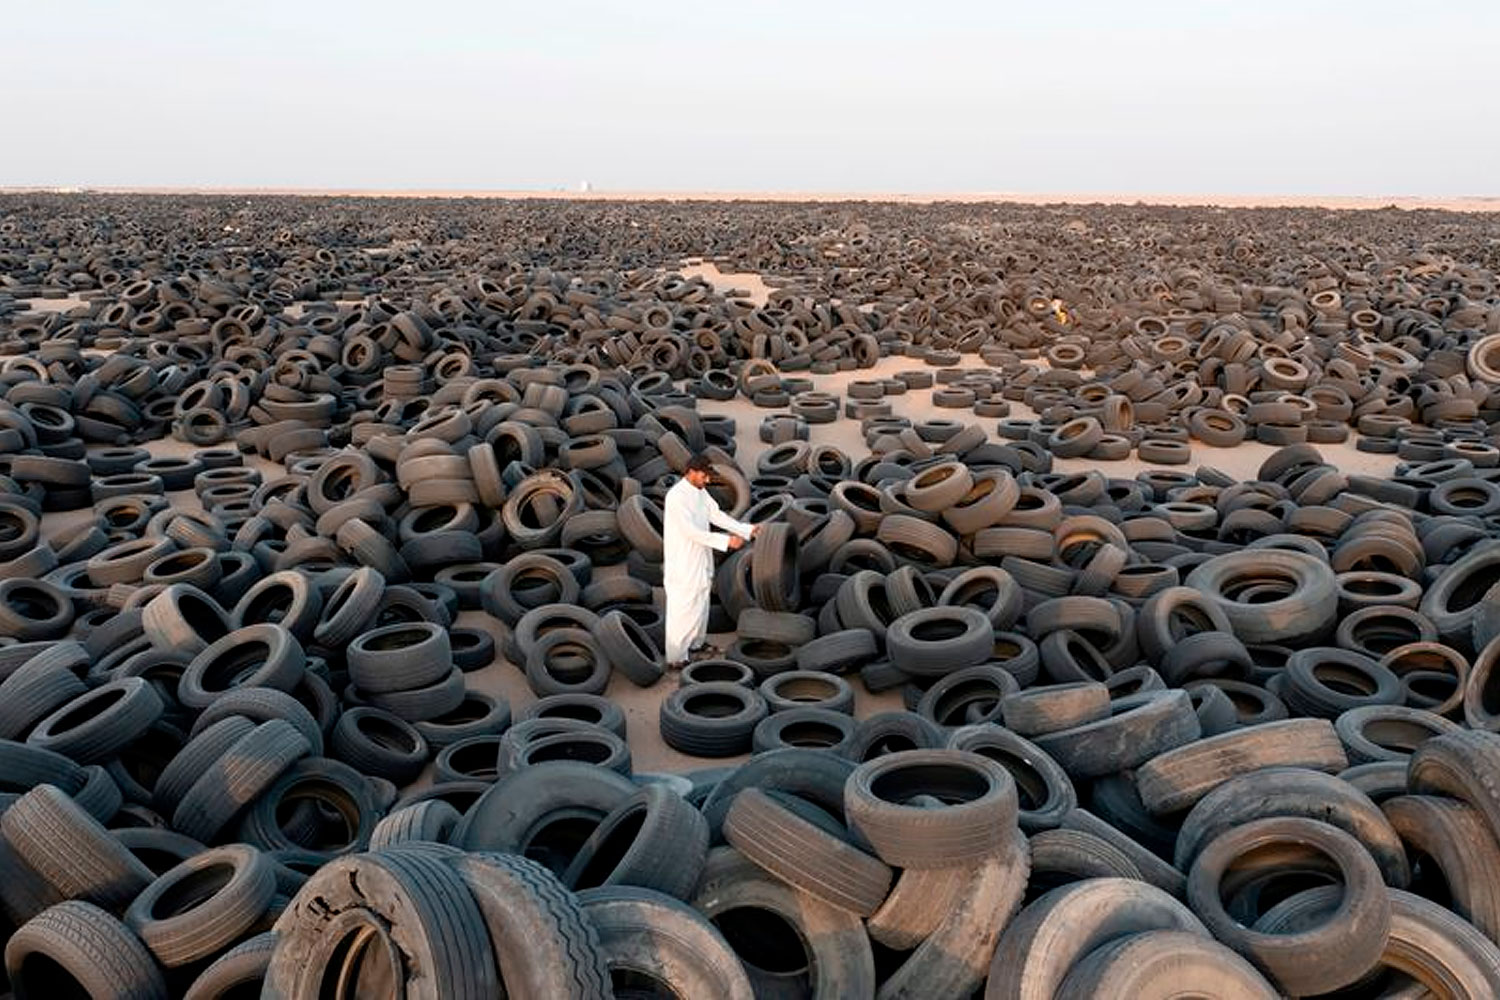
(1269, 97)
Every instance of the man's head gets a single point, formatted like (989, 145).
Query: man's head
(698, 470)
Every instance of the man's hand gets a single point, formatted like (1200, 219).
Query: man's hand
(754, 532)
(735, 542)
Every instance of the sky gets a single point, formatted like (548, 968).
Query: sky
(1368, 98)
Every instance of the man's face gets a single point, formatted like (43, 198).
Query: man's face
(697, 477)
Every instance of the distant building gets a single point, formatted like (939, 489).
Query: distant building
(584, 187)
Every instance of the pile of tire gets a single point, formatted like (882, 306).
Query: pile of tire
(1167, 733)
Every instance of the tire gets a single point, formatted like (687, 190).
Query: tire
(1324, 682)
(287, 598)
(1172, 614)
(980, 807)
(97, 725)
(629, 647)
(1287, 791)
(1461, 766)
(1388, 732)
(776, 626)
(716, 719)
(956, 955)
(432, 821)
(826, 955)
(890, 732)
(39, 686)
(262, 705)
(399, 657)
(1047, 938)
(479, 714)
(203, 905)
(1453, 837)
(592, 709)
(812, 728)
(1440, 950)
(350, 609)
(813, 775)
(970, 696)
(338, 798)
(188, 765)
(1043, 710)
(939, 640)
(807, 689)
(1176, 779)
(421, 704)
(253, 656)
(1151, 867)
(1350, 941)
(544, 812)
(567, 661)
(75, 946)
(423, 903)
(183, 619)
(71, 850)
(236, 778)
(653, 840)
(1159, 964)
(774, 578)
(378, 743)
(544, 943)
(1141, 727)
(241, 969)
(805, 856)
(655, 938)
(1301, 617)
(1045, 795)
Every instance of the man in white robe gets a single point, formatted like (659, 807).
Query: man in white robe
(688, 570)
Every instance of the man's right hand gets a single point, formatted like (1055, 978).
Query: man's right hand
(735, 542)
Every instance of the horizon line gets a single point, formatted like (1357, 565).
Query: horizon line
(1461, 203)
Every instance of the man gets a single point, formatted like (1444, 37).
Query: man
(688, 573)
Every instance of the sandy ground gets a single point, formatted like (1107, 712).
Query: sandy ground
(641, 705)
(1474, 203)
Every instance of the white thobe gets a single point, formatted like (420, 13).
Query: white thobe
(688, 572)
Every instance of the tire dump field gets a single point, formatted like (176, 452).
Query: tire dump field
(1122, 623)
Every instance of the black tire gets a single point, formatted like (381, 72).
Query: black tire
(253, 656)
(979, 807)
(189, 763)
(432, 821)
(262, 705)
(808, 689)
(1140, 727)
(203, 905)
(1045, 794)
(96, 725)
(75, 947)
(811, 728)
(236, 778)
(628, 646)
(544, 943)
(774, 579)
(827, 953)
(424, 703)
(596, 710)
(567, 661)
(473, 648)
(71, 850)
(939, 640)
(334, 810)
(376, 742)
(655, 840)
(38, 687)
(666, 946)
(711, 720)
(970, 696)
(805, 856)
(479, 714)
(1307, 611)
(544, 812)
(399, 657)
(239, 971)
(413, 892)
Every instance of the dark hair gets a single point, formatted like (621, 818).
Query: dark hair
(699, 463)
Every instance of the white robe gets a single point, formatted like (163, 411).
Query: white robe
(688, 570)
